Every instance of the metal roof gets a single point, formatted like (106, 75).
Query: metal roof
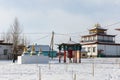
(42, 47)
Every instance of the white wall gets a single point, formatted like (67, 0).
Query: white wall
(110, 49)
(9, 48)
(26, 59)
(91, 49)
(95, 37)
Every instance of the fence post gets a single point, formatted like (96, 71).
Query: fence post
(93, 69)
(74, 76)
(49, 66)
(39, 73)
(66, 67)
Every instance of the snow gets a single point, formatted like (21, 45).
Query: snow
(89, 69)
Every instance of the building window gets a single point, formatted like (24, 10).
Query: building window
(94, 49)
(94, 37)
(88, 38)
(5, 51)
(88, 49)
(83, 48)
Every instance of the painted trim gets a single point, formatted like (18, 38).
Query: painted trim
(100, 43)
(98, 35)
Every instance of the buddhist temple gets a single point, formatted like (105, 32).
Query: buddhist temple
(99, 43)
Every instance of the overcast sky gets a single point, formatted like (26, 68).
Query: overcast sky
(60, 16)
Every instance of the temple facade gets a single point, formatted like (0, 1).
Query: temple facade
(99, 43)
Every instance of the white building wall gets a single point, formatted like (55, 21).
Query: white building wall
(112, 50)
(95, 37)
(109, 50)
(9, 51)
(91, 49)
(27, 59)
(8, 47)
(91, 38)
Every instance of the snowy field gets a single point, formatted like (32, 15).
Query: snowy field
(89, 69)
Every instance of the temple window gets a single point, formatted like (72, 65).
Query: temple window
(89, 38)
(88, 49)
(5, 51)
(94, 49)
(94, 37)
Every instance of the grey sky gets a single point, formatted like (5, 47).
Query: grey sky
(61, 16)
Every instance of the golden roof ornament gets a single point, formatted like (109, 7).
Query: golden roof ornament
(40, 51)
(25, 51)
(97, 25)
(33, 50)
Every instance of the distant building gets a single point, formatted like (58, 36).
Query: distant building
(44, 49)
(5, 50)
(99, 43)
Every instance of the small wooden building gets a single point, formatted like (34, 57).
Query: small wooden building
(71, 50)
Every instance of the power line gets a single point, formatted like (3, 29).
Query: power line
(36, 33)
(42, 37)
(73, 33)
(27, 33)
(68, 35)
(113, 24)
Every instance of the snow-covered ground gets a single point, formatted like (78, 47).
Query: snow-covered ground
(89, 69)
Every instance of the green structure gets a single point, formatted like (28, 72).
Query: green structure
(71, 48)
(43, 50)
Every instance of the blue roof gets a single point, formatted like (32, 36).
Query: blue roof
(42, 47)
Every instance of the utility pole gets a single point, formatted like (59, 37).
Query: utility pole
(52, 43)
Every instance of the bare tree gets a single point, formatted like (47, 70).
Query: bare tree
(15, 35)
(24, 40)
(6, 36)
(3, 36)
